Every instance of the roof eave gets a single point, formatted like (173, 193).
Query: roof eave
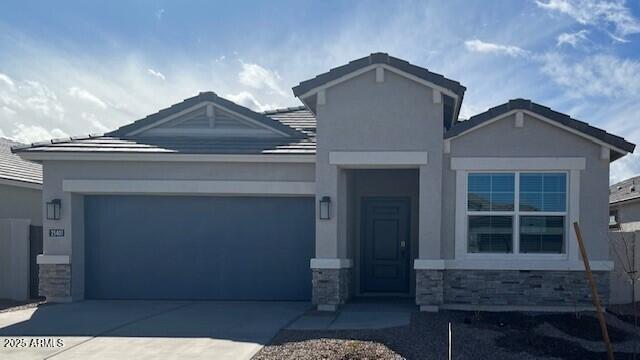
(620, 148)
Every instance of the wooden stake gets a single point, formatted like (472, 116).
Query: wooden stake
(594, 293)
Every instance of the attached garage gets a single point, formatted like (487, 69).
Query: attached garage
(198, 247)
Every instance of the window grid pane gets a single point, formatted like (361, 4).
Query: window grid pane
(543, 192)
(542, 234)
(491, 192)
(490, 234)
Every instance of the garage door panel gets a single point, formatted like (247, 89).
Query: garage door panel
(225, 248)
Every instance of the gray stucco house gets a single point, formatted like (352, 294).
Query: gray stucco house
(624, 205)
(371, 188)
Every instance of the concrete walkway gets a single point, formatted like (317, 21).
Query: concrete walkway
(144, 329)
(354, 316)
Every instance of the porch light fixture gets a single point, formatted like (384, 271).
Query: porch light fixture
(53, 209)
(325, 208)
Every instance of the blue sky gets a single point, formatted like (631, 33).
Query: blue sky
(75, 67)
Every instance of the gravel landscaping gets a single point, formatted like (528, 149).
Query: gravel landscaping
(483, 335)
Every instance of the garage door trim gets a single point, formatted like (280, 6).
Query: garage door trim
(190, 187)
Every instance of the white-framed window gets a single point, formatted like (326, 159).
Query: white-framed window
(517, 212)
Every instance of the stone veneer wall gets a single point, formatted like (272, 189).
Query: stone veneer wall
(429, 286)
(508, 287)
(331, 286)
(55, 280)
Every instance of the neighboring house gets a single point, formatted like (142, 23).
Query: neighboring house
(20, 224)
(372, 188)
(20, 186)
(624, 205)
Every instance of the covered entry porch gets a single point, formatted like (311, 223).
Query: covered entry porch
(377, 223)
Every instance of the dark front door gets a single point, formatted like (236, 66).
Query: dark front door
(385, 245)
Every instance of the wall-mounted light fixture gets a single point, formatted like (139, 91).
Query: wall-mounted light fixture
(53, 209)
(325, 208)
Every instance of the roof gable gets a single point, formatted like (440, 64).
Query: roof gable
(102, 147)
(356, 67)
(580, 128)
(207, 115)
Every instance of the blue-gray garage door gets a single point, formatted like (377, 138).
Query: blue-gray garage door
(182, 247)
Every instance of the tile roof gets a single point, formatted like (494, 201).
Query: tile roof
(12, 167)
(563, 119)
(201, 97)
(379, 58)
(298, 118)
(625, 190)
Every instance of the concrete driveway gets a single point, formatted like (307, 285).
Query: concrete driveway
(144, 329)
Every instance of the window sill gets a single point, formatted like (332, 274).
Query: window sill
(514, 257)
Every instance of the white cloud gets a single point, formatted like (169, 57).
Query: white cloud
(597, 75)
(599, 13)
(491, 48)
(247, 99)
(32, 133)
(39, 98)
(4, 78)
(257, 77)
(8, 111)
(157, 74)
(573, 39)
(92, 119)
(617, 38)
(85, 95)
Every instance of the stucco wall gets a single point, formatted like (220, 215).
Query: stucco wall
(536, 139)
(363, 115)
(21, 203)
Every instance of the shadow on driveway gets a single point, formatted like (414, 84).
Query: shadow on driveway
(152, 328)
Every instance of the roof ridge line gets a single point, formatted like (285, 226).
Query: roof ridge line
(284, 109)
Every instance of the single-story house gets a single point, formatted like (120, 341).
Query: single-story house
(20, 223)
(624, 205)
(371, 188)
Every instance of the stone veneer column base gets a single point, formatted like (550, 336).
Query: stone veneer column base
(331, 288)
(429, 289)
(55, 282)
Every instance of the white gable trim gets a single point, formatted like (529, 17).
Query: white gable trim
(168, 118)
(190, 187)
(545, 119)
(518, 163)
(378, 158)
(375, 67)
(201, 105)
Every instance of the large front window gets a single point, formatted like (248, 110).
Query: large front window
(517, 212)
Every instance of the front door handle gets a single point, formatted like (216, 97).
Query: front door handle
(403, 244)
